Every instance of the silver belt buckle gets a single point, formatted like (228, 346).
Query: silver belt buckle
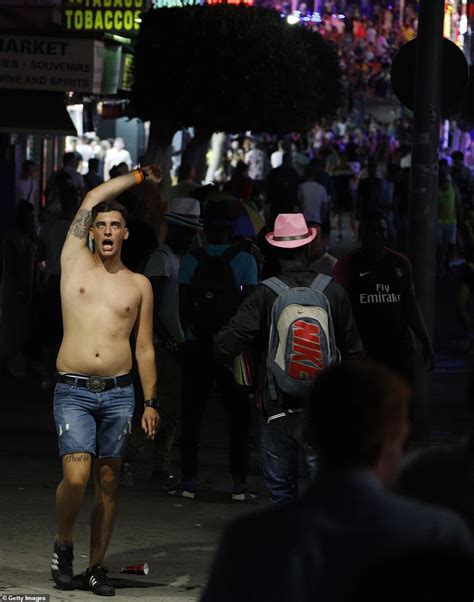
(96, 384)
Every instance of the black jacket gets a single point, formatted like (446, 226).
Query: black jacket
(252, 323)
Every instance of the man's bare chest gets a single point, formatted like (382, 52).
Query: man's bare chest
(114, 295)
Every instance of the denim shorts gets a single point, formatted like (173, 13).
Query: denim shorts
(95, 423)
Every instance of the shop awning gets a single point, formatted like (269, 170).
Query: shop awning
(34, 112)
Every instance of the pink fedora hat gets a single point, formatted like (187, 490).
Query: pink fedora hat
(291, 231)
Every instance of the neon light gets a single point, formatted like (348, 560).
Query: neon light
(182, 3)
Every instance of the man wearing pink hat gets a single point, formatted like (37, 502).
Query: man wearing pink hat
(282, 413)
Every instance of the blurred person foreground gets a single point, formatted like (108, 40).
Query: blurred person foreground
(313, 222)
(347, 521)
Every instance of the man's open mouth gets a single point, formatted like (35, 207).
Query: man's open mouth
(107, 244)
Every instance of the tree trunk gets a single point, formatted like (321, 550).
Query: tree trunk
(159, 152)
(195, 153)
(152, 205)
(424, 186)
(217, 146)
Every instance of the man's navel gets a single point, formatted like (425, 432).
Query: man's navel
(82, 290)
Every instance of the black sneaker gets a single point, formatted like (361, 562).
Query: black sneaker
(61, 565)
(99, 583)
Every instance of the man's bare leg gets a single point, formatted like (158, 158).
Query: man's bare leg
(104, 511)
(70, 492)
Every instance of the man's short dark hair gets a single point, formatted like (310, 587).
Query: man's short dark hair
(457, 156)
(372, 216)
(185, 171)
(309, 172)
(68, 158)
(353, 409)
(69, 198)
(93, 164)
(106, 207)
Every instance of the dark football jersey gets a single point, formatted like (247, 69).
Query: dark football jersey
(378, 294)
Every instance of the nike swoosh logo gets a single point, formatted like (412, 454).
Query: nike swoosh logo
(361, 274)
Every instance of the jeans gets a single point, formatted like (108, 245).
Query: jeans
(95, 423)
(282, 440)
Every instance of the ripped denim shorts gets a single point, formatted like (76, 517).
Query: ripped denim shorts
(95, 423)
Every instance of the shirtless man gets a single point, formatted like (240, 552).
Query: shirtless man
(93, 401)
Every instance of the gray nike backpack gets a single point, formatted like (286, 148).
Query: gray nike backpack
(302, 342)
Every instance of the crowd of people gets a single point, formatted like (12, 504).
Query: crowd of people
(216, 302)
(136, 303)
(366, 40)
(216, 277)
(337, 175)
(222, 287)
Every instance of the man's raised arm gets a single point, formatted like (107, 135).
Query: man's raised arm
(76, 239)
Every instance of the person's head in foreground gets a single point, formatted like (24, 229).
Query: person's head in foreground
(357, 418)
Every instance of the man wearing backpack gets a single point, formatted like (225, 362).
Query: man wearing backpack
(213, 280)
(307, 321)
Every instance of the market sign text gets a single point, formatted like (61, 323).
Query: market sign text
(55, 64)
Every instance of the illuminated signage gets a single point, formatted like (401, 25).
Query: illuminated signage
(55, 64)
(181, 3)
(117, 16)
(126, 72)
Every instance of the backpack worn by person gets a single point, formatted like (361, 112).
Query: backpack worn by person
(302, 342)
(215, 296)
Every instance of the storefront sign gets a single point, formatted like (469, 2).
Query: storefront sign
(55, 64)
(126, 72)
(113, 16)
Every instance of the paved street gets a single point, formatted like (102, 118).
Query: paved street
(176, 537)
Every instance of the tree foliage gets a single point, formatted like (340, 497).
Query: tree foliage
(464, 110)
(232, 68)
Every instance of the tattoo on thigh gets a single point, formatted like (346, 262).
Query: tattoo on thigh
(76, 458)
(81, 223)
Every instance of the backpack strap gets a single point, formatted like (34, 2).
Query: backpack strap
(321, 282)
(276, 285)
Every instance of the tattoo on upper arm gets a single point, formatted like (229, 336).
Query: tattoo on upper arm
(81, 223)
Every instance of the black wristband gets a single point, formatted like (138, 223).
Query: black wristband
(151, 403)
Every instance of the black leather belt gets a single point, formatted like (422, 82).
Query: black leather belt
(96, 384)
